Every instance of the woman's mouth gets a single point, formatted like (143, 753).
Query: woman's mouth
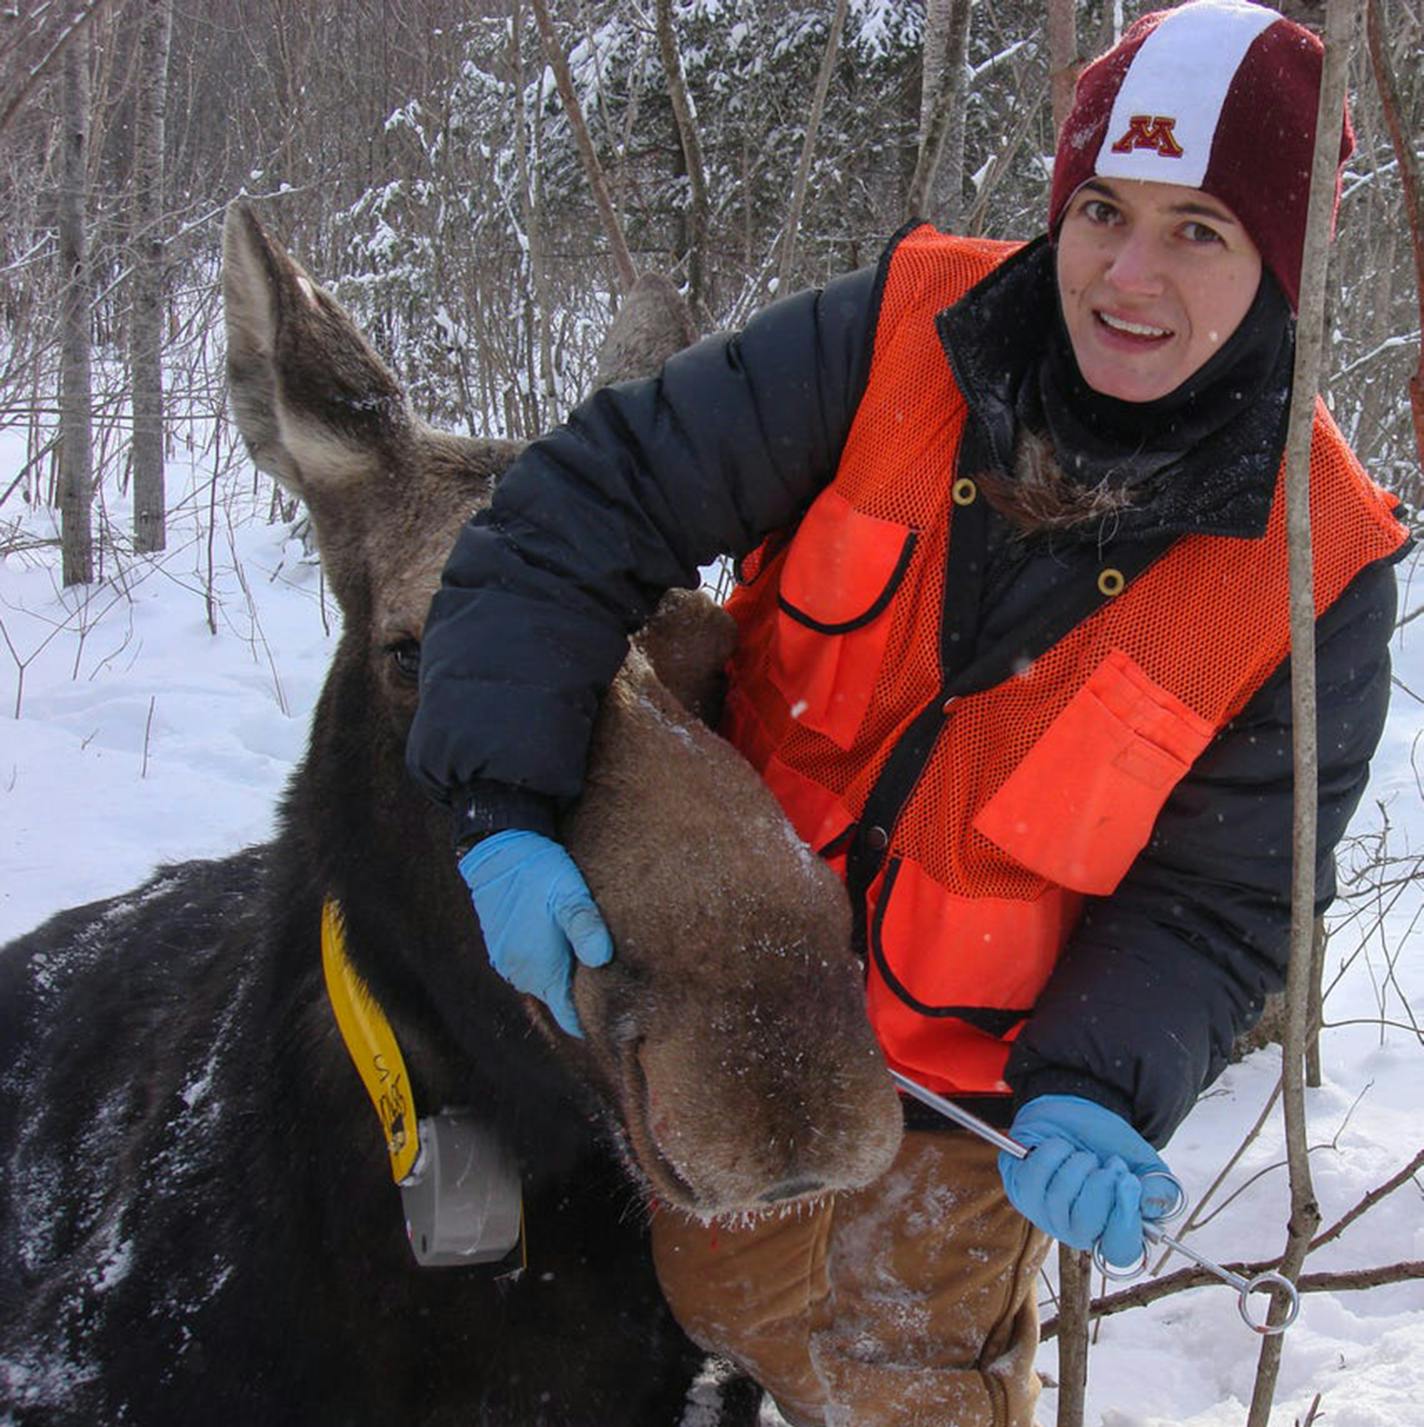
(1129, 329)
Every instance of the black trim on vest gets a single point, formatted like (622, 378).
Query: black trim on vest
(963, 673)
(992, 1021)
(881, 601)
(1062, 614)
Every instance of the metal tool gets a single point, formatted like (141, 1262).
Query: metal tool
(1175, 1201)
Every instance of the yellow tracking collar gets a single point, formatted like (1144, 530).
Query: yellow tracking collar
(371, 1044)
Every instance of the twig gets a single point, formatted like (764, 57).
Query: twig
(1368, 1202)
(808, 144)
(1150, 1291)
(593, 170)
(1075, 1284)
(147, 732)
(1194, 1220)
(1410, 182)
(16, 101)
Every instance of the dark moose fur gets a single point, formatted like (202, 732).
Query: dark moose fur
(197, 1221)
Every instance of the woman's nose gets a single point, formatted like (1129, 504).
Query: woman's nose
(1136, 265)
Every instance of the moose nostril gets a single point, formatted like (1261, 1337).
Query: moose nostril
(792, 1189)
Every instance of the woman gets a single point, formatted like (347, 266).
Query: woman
(1013, 630)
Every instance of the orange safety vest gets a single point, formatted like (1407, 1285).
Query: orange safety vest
(1041, 789)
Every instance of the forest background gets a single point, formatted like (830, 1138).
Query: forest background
(418, 157)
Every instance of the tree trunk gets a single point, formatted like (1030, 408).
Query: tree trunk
(146, 319)
(942, 104)
(1075, 1296)
(75, 394)
(692, 157)
(1413, 192)
(1062, 58)
(542, 393)
(808, 146)
(19, 87)
(593, 170)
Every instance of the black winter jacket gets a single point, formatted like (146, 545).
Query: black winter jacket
(649, 481)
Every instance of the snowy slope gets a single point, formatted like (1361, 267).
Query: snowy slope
(143, 737)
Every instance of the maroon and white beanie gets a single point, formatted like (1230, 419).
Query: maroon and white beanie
(1219, 95)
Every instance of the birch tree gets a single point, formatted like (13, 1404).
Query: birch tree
(808, 147)
(685, 117)
(942, 103)
(146, 313)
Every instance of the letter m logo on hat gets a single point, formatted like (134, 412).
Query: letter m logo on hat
(1146, 131)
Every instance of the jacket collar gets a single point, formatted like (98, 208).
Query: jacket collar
(1224, 485)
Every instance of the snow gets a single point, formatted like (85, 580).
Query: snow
(142, 736)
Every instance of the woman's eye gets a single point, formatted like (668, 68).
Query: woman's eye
(1200, 233)
(405, 655)
(1096, 211)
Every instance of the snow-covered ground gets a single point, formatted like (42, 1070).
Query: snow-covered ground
(140, 736)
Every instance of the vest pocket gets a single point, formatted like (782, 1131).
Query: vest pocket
(983, 960)
(833, 617)
(1081, 805)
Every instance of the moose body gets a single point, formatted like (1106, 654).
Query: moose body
(198, 1221)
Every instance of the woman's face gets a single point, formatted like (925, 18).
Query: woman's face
(1153, 278)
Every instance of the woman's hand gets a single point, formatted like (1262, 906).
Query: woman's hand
(537, 915)
(1083, 1179)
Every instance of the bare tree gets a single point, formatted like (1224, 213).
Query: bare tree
(808, 146)
(1305, 1211)
(76, 395)
(1413, 191)
(536, 299)
(1063, 57)
(1075, 1293)
(622, 258)
(56, 40)
(681, 102)
(146, 320)
(942, 103)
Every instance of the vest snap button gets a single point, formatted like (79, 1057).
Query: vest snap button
(964, 491)
(1111, 582)
(877, 839)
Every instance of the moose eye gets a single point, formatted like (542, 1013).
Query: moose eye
(405, 655)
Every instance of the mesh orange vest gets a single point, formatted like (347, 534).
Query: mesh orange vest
(1043, 788)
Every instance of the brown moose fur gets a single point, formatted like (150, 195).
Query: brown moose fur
(652, 323)
(724, 1070)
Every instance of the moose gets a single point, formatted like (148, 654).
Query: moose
(198, 1221)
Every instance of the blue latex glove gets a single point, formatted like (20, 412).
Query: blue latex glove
(537, 914)
(1082, 1182)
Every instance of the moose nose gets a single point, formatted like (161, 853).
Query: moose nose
(792, 1189)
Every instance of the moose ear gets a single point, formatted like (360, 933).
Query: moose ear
(317, 407)
(688, 640)
(652, 323)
